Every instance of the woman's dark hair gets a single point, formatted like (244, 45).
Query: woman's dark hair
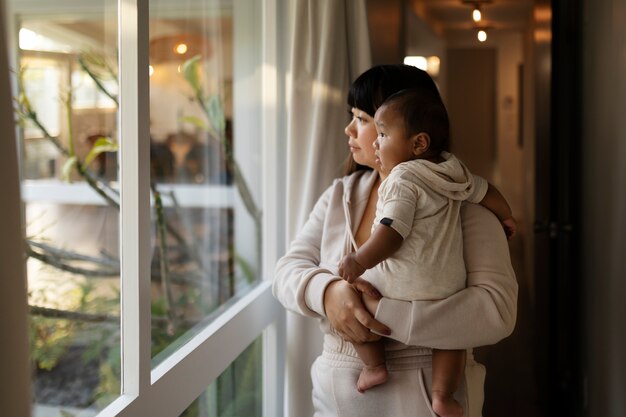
(422, 110)
(374, 86)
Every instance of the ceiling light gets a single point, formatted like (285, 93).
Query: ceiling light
(476, 15)
(482, 35)
(181, 48)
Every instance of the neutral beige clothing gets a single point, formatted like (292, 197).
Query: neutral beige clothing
(423, 201)
(406, 392)
(482, 314)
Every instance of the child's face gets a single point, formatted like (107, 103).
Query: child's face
(392, 145)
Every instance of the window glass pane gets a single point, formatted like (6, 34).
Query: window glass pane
(205, 170)
(237, 392)
(66, 60)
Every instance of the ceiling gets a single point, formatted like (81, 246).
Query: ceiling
(448, 17)
(407, 26)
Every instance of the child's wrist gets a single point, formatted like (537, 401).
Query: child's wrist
(358, 261)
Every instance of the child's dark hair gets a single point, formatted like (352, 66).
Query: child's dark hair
(423, 111)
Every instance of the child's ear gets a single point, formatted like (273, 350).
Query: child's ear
(421, 143)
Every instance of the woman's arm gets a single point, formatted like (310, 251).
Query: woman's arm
(304, 287)
(299, 282)
(481, 314)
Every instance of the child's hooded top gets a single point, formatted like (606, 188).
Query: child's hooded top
(423, 200)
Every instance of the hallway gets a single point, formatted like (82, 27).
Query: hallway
(510, 385)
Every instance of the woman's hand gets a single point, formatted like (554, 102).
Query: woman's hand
(370, 302)
(347, 314)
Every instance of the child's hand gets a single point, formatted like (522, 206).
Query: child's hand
(349, 268)
(510, 227)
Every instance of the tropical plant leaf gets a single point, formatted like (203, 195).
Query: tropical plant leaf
(216, 113)
(102, 144)
(67, 168)
(196, 121)
(190, 72)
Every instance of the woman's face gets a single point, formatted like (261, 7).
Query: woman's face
(361, 133)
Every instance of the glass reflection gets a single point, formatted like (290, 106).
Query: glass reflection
(237, 392)
(200, 192)
(67, 109)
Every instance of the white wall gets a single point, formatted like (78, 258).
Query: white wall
(604, 207)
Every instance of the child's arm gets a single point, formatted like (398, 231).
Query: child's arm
(381, 244)
(495, 202)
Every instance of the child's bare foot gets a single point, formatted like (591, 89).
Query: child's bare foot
(445, 405)
(372, 376)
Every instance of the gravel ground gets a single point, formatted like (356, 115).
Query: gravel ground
(71, 383)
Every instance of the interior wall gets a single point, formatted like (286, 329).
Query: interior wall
(508, 169)
(604, 205)
(385, 20)
(421, 40)
(471, 106)
(508, 165)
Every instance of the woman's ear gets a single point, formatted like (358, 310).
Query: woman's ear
(421, 143)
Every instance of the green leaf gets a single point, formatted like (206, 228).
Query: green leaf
(246, 268)
(190, 72)
(67, 168)
(196, 121)
(216, 113)
(103, 144)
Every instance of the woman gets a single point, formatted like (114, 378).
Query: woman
(306, 282)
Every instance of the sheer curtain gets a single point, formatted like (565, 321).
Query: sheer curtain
(329, 49)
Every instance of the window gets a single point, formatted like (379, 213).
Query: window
(154, 222)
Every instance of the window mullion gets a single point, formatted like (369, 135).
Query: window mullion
(274, 339)
(135, 195)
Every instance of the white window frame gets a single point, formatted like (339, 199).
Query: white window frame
(169, 388)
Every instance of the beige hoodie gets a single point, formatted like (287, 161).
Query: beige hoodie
(481, 314)
(423, 201)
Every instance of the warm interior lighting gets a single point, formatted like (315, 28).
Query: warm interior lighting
(150, 70)
(433, 65)
(482, 35)
(476, 15)
(417, 61)
(429, 64)
(181, 48)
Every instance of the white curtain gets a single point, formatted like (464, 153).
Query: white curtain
(329, 49)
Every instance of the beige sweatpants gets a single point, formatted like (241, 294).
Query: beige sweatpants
(405, 394)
